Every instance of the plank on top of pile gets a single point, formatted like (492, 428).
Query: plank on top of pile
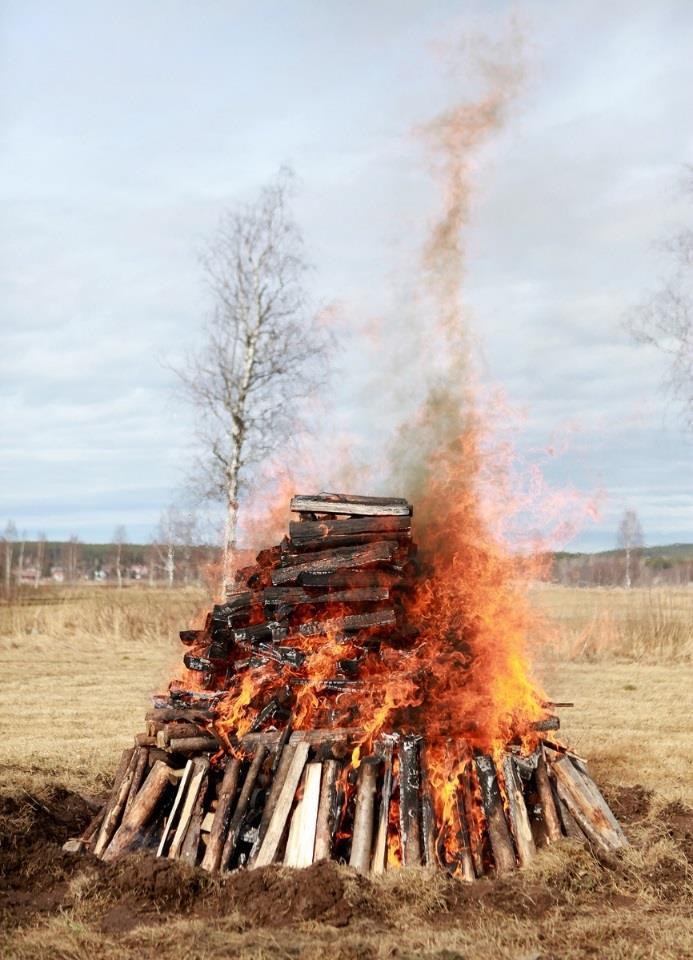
(341, 503)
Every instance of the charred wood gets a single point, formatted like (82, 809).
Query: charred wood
(498, 831)
(337, 503)
(409, 803)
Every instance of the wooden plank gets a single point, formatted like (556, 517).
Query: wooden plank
(303, 823)
(324, 830)
(379, 859)
(362, 833)
(345, 504)
(275, 830)
(200, 766)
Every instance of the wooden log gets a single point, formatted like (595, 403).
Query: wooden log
(379, 859)
(190, 745)
(350, 580)
(325, 827)
(186, 714)
(465, 864)
(222, 815)
(282, 768)
(123, 764)
(409, 802)
(498, 831)
(306, 547)
(327, 561)
(180, 794)
(362, 833)
(351, 623)
(598, 798)
(277, 824)
(129, 832)
(585, 806)
(313, 737)
(302, 530)
(119, 796)
(139, 775)
(296, 596)
(191, 844)
(467, 803)
(548, 806)
(519, 818)
(200, 766)
(301, 843)
(239, 813)
(345, 504)
(428, 822)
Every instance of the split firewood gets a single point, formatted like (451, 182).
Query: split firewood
(497, 825)
(241, 807)
(119, 796)
(337, 503)
(177, 803)
(138, 776)
(277, 824)
(198, 774)
(548, 806)
(519, 818)
(325, 827)
(362, 832)
(301, 842)
(129, 832)
(222, 815)
(285, 758)
(587, 808)
(409, 804)
(379, 859)
(191, 843)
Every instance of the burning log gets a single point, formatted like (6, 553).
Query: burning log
(341, 504)
(519, 818)
(301, 843)
(409, 806)
(323, 530)
(499, 834)
(362, 833)
(350, 579)
(277, 824)
(242, 807)
(128, 834)
(328, 561)
(227, 794)
(349, 624)
(325, 827)
(291, 597)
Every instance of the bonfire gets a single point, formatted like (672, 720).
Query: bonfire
(360, 699)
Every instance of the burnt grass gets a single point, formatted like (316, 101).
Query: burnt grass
(106, 903)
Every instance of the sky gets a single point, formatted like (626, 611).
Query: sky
(126, 130)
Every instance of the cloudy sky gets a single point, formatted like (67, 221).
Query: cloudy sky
(127, 128)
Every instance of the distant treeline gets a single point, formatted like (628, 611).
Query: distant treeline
(649, 566)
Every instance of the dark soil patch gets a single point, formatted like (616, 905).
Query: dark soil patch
(678, 819)
(629, 804)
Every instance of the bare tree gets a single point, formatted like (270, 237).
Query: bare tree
(20, 559)
(629, 539)
(175, 533)
(665, 319)
(120, 538)
(40, 556)
(72, 553)
(8, 538)
(262, 349)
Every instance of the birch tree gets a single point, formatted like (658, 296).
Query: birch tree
(120, 538)
(629, 539)
(262, 350)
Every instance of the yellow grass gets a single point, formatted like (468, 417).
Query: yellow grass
(77, 674)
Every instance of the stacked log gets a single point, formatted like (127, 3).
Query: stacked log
(198, 788)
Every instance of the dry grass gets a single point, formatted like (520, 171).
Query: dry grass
(77, 674)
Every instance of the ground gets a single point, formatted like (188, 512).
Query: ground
(78, 668)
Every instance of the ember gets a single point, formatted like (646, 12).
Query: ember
(334, 707)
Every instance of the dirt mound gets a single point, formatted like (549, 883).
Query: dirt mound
(629, 804)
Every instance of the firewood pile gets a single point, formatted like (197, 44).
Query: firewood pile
(283, 743)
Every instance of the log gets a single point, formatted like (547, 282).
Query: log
(241, 807)
(325, 827)
(191, 844)
(343, 504)
(362, 833)
(285, 758)
(120, 795)
(200, 766)
(123, 764)
(468, 806)
(302, 530)
(305, 547)
(428, 821)
(498, 831)
(291, 597)
(139, 775)
(190, 745)
(588, 809)
(379, 860)
(222, 815)
(465, 863)
(313, 737)
(598, 798)
(180, 793)
(519, 818)
(348, 624)
(128, 834)
(277, 824)
(301, 845)
(409, 804)
(341, 558)
(548, 806)
(186, 714)
(221, 612)
(350, 579)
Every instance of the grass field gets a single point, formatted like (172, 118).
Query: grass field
(78, 669)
